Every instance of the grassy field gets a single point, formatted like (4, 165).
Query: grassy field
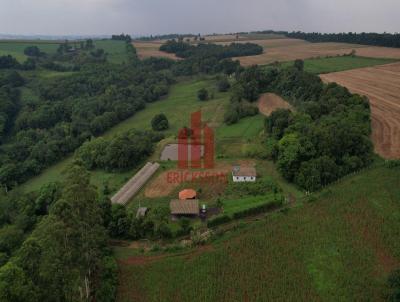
(16, 48)
(334, 64)
(178, 106)
(115, 49)
(237, 205)
(340, 246)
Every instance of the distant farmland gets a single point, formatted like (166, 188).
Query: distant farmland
(151, 49)
(381, 84)
(291, 49)
(116, 49)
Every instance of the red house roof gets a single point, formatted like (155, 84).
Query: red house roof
(187, 194)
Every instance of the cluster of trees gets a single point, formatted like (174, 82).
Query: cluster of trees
(124, 224)
(159, 122)
(328, 136)
(186, 50)
(9, 62)
(65, 257)
(122, 37)
(70, 110)
(238, 109)
(123, 151)
(34, 51)
(376, 39)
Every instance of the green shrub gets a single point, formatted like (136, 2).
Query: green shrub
(257, 210)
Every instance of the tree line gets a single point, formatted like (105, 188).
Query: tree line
(375, 39)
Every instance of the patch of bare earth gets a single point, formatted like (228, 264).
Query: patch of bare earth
(269, 102)
(168, 181)
(381, 84)
(152, 49)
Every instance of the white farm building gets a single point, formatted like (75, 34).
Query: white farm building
(244, 174)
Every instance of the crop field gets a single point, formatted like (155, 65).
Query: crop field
(381, 84)
(152, 49)
(269, 102)
(283, 50)
(335, 64)
(339, 246)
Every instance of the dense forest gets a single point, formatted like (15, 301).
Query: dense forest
(70, 109)
(375, 39)
(326, 138)
(53, 243)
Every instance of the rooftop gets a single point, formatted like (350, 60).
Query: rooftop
(184, 207)
(244, 171)
(187, 194)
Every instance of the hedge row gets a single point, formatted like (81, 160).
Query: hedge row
(248, 212)
(218, 221)
(257, 210)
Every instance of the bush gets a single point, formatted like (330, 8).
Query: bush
(160, 122)
(223, 85)
(202, 94)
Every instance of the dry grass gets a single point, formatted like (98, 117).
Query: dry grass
(291, 49)
(381, 84)
(269, 102)
(152, 49)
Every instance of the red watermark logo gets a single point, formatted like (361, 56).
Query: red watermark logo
(196, 150)
(200, 140)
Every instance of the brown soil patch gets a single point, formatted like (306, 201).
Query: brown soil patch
(381, 84)
(152, 49)
(165, 183)
(269, 102)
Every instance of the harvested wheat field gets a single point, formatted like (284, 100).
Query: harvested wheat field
(269, 102)
(152, 49)
(381, 84)
(291, 49)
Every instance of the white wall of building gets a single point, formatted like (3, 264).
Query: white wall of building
(244, 179)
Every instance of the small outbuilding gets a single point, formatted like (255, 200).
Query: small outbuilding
(244, 174)
(184, 208)
(141, 212)
(187, 194)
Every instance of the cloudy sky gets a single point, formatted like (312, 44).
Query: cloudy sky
(67, 17)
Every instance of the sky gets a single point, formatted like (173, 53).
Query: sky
(145, 17)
